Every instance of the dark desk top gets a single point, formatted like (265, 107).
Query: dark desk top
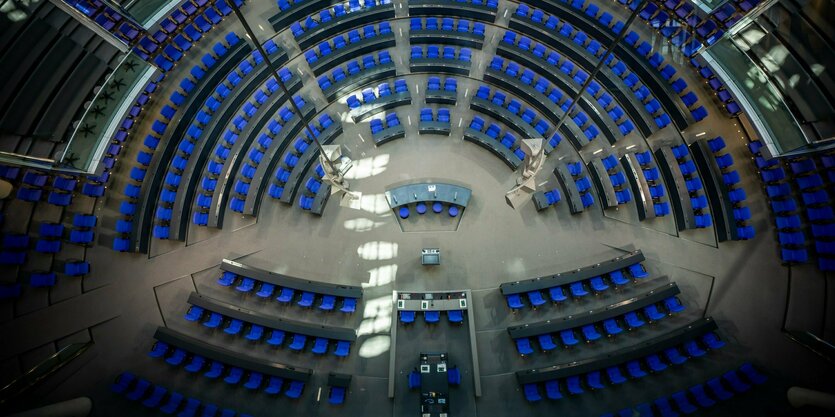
(270, 322)
(593, 316)
(228, 357)
(411, 193)
(566, 180)
(434, 385)
(579, 274)
(600, 178)
(291, 282)
(676, 187)
(640, 186)
(620, 356)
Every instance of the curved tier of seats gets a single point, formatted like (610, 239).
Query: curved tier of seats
(291, 167)
(440, 59)
(337, 84)
(257, 327)
(610, 180)
(646, 182)
(655, 355)
(487, 136)
(589, 29)
(369, 103)
(196, 355)
(315, 193)
(549, 99)
(215, 184)
(333, 52)
(701, 396)
(634, 313)
(227, 110)
(338, 19)
(723, 189)
(450, 31)
(471, 9)
(287, 289)
(524, 120)
(619, 271)
(167, 401)
(573, 178)
(386, 129)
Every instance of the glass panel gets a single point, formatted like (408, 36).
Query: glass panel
(758, 95)
(104, 114)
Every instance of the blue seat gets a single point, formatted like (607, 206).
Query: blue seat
(276, 337)
(514, 301)
(433, 316)
(455, 316)
(590, 333)
(633, 367)
(577, 289)
(286, 295)
(652, 313)
(532, 393)
(523, 346)
(611, 326)
(298, 342)
(349, 305)
(535, 298)
(255, 333)
(342, 348)
(552, 390)
(414, 380)
(718, 390)
(597, 284)
(546, 342)
(407, 316)
(557, 295)
(568, 338)
(306, 299)
(574, 386)
(320, 346)
(234, 327)
(673, 305)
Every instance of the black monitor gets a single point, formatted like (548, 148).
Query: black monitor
(430, 256)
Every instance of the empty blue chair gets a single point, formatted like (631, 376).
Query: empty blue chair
(455, 316)
(590, 333)
(298, 342)
(407, 316)
(552, 390)
(577, 289)
(414, 380)
(719, 391)
(532, 393)
(433, 316)
(306, 299)
(673, 305)
(597, 284)
(568, 338)
(546, 342)
(320, 346)
(557, 295)
(634, 369)
(523, 346)
(574, 386)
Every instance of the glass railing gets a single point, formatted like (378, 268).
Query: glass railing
(40, 372)
(760, 99)
(148, 12)
(103, 116)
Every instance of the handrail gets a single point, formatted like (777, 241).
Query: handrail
(41, 371)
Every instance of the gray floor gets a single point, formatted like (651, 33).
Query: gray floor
(741, 284)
